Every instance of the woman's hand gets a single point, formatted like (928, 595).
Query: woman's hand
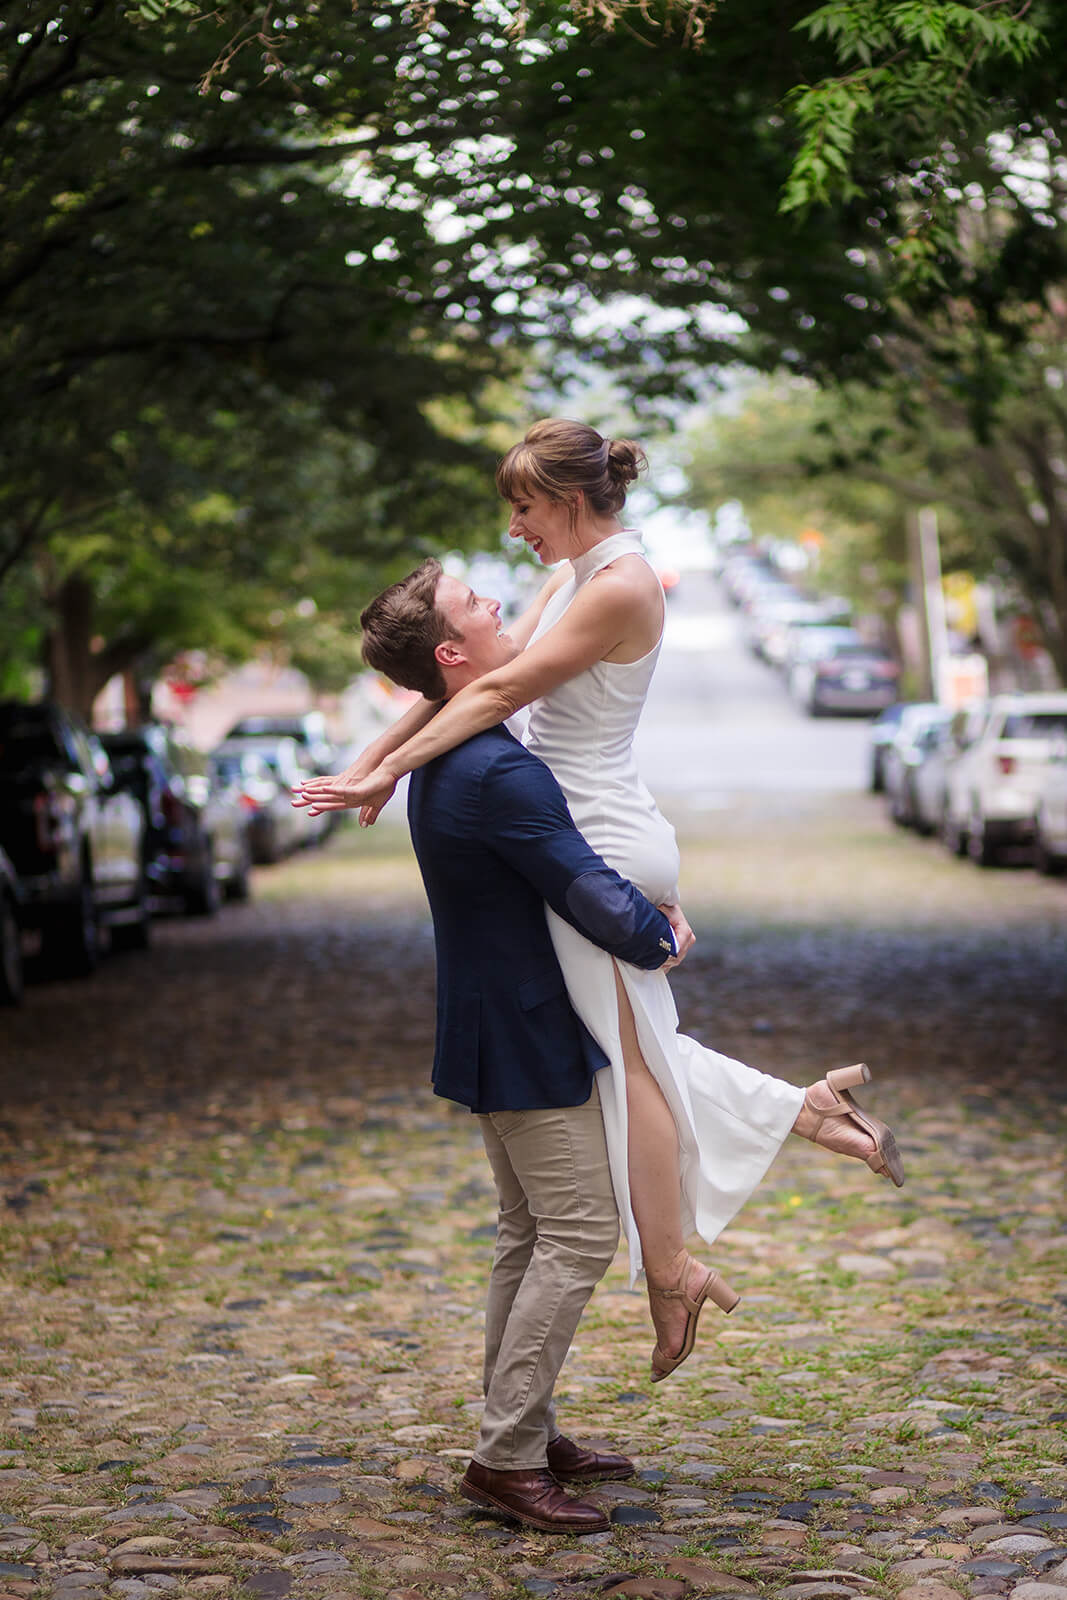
(684, 937)
(355, 787)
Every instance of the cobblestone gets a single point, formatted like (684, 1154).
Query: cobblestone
(241, 1291)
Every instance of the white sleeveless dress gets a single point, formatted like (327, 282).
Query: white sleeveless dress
(731, 1119)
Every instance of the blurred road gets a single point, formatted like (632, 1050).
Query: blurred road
(719, 722)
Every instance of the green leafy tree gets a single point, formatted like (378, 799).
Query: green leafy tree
(359, 215)
(214, 329)
(856, 462)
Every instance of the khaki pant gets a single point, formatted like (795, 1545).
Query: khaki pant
(557, 1232)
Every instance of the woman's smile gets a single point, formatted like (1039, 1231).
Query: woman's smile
(543, 525)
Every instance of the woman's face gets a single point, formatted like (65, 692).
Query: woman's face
(544, 525)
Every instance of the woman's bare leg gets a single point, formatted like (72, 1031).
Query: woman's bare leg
(655, 1186)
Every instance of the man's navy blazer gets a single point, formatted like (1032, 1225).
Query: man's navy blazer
(495, 841)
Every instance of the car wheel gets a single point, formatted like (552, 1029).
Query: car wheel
(1045, 860)
(266, 851)
(11, 977)
(814, 709)
(980, 847)
(135, 935)
(72, 944)
(918, 821)
(204, 898)
(953, 837)
(239, 887)
(877, 783)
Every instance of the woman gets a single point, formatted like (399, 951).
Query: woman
(690, 1132)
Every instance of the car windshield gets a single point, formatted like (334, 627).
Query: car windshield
(230, 769)
(125, 762)
(848, 651)
(814, 641)
(1034, 725)
(268, 728)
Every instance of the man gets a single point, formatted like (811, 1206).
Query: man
(495, 841)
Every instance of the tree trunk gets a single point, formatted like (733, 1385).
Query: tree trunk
(68, 656)
(76, 671)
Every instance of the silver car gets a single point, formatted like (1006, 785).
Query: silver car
(915, 743)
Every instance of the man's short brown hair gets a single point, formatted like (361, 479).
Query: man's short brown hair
(402, 628)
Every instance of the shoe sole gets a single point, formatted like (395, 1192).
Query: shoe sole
(594, 1477)
(545, 1524)
(892, 1166)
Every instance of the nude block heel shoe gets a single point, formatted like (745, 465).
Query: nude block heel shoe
(884, 1159)
(715, 1288)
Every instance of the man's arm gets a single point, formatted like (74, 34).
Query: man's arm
(529, 826)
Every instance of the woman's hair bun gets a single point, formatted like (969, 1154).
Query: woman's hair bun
(625, 460)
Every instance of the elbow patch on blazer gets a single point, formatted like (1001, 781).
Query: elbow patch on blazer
(602, 907)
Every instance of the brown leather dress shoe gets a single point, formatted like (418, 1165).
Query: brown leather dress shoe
(568, 1461)
(533, 1497)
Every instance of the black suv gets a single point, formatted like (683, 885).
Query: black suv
(74, 840)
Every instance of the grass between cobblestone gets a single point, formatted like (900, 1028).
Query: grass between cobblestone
(240, 1231)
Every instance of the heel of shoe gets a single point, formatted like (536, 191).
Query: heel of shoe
(849, 1077)
(723, 1296)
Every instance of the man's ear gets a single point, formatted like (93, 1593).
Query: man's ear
(449, 653)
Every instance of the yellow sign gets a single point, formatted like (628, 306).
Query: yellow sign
(961, 608)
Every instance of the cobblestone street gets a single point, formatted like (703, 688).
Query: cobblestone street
(243, 1253)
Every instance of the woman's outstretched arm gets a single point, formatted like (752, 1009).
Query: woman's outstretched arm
(602, 617)
(405, 727)
(417, 716)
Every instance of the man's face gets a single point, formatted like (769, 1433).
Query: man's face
(475, 619)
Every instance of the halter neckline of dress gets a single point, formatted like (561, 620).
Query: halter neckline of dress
(624, 543)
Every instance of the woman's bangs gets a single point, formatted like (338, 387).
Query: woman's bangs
(516, 474)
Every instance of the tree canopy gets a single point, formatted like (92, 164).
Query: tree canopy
(259, 270)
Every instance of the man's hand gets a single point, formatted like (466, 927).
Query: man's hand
(684, 937)
(346, 791)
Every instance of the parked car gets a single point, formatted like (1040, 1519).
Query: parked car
(308, 728)
(803, 644)
(275, 827)
(962, 732)
(994, 774)
(1050, 813)
(843, 675)
(290, 765)
(917, 736)
(196, 840)
(11, 897)
(787, 619)
(74, 839)
(929, 780)
(751, 577)
(770, 611)
(883, 729)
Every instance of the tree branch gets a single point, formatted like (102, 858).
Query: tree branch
(24, 539)
(12, 103)
(273, 155)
